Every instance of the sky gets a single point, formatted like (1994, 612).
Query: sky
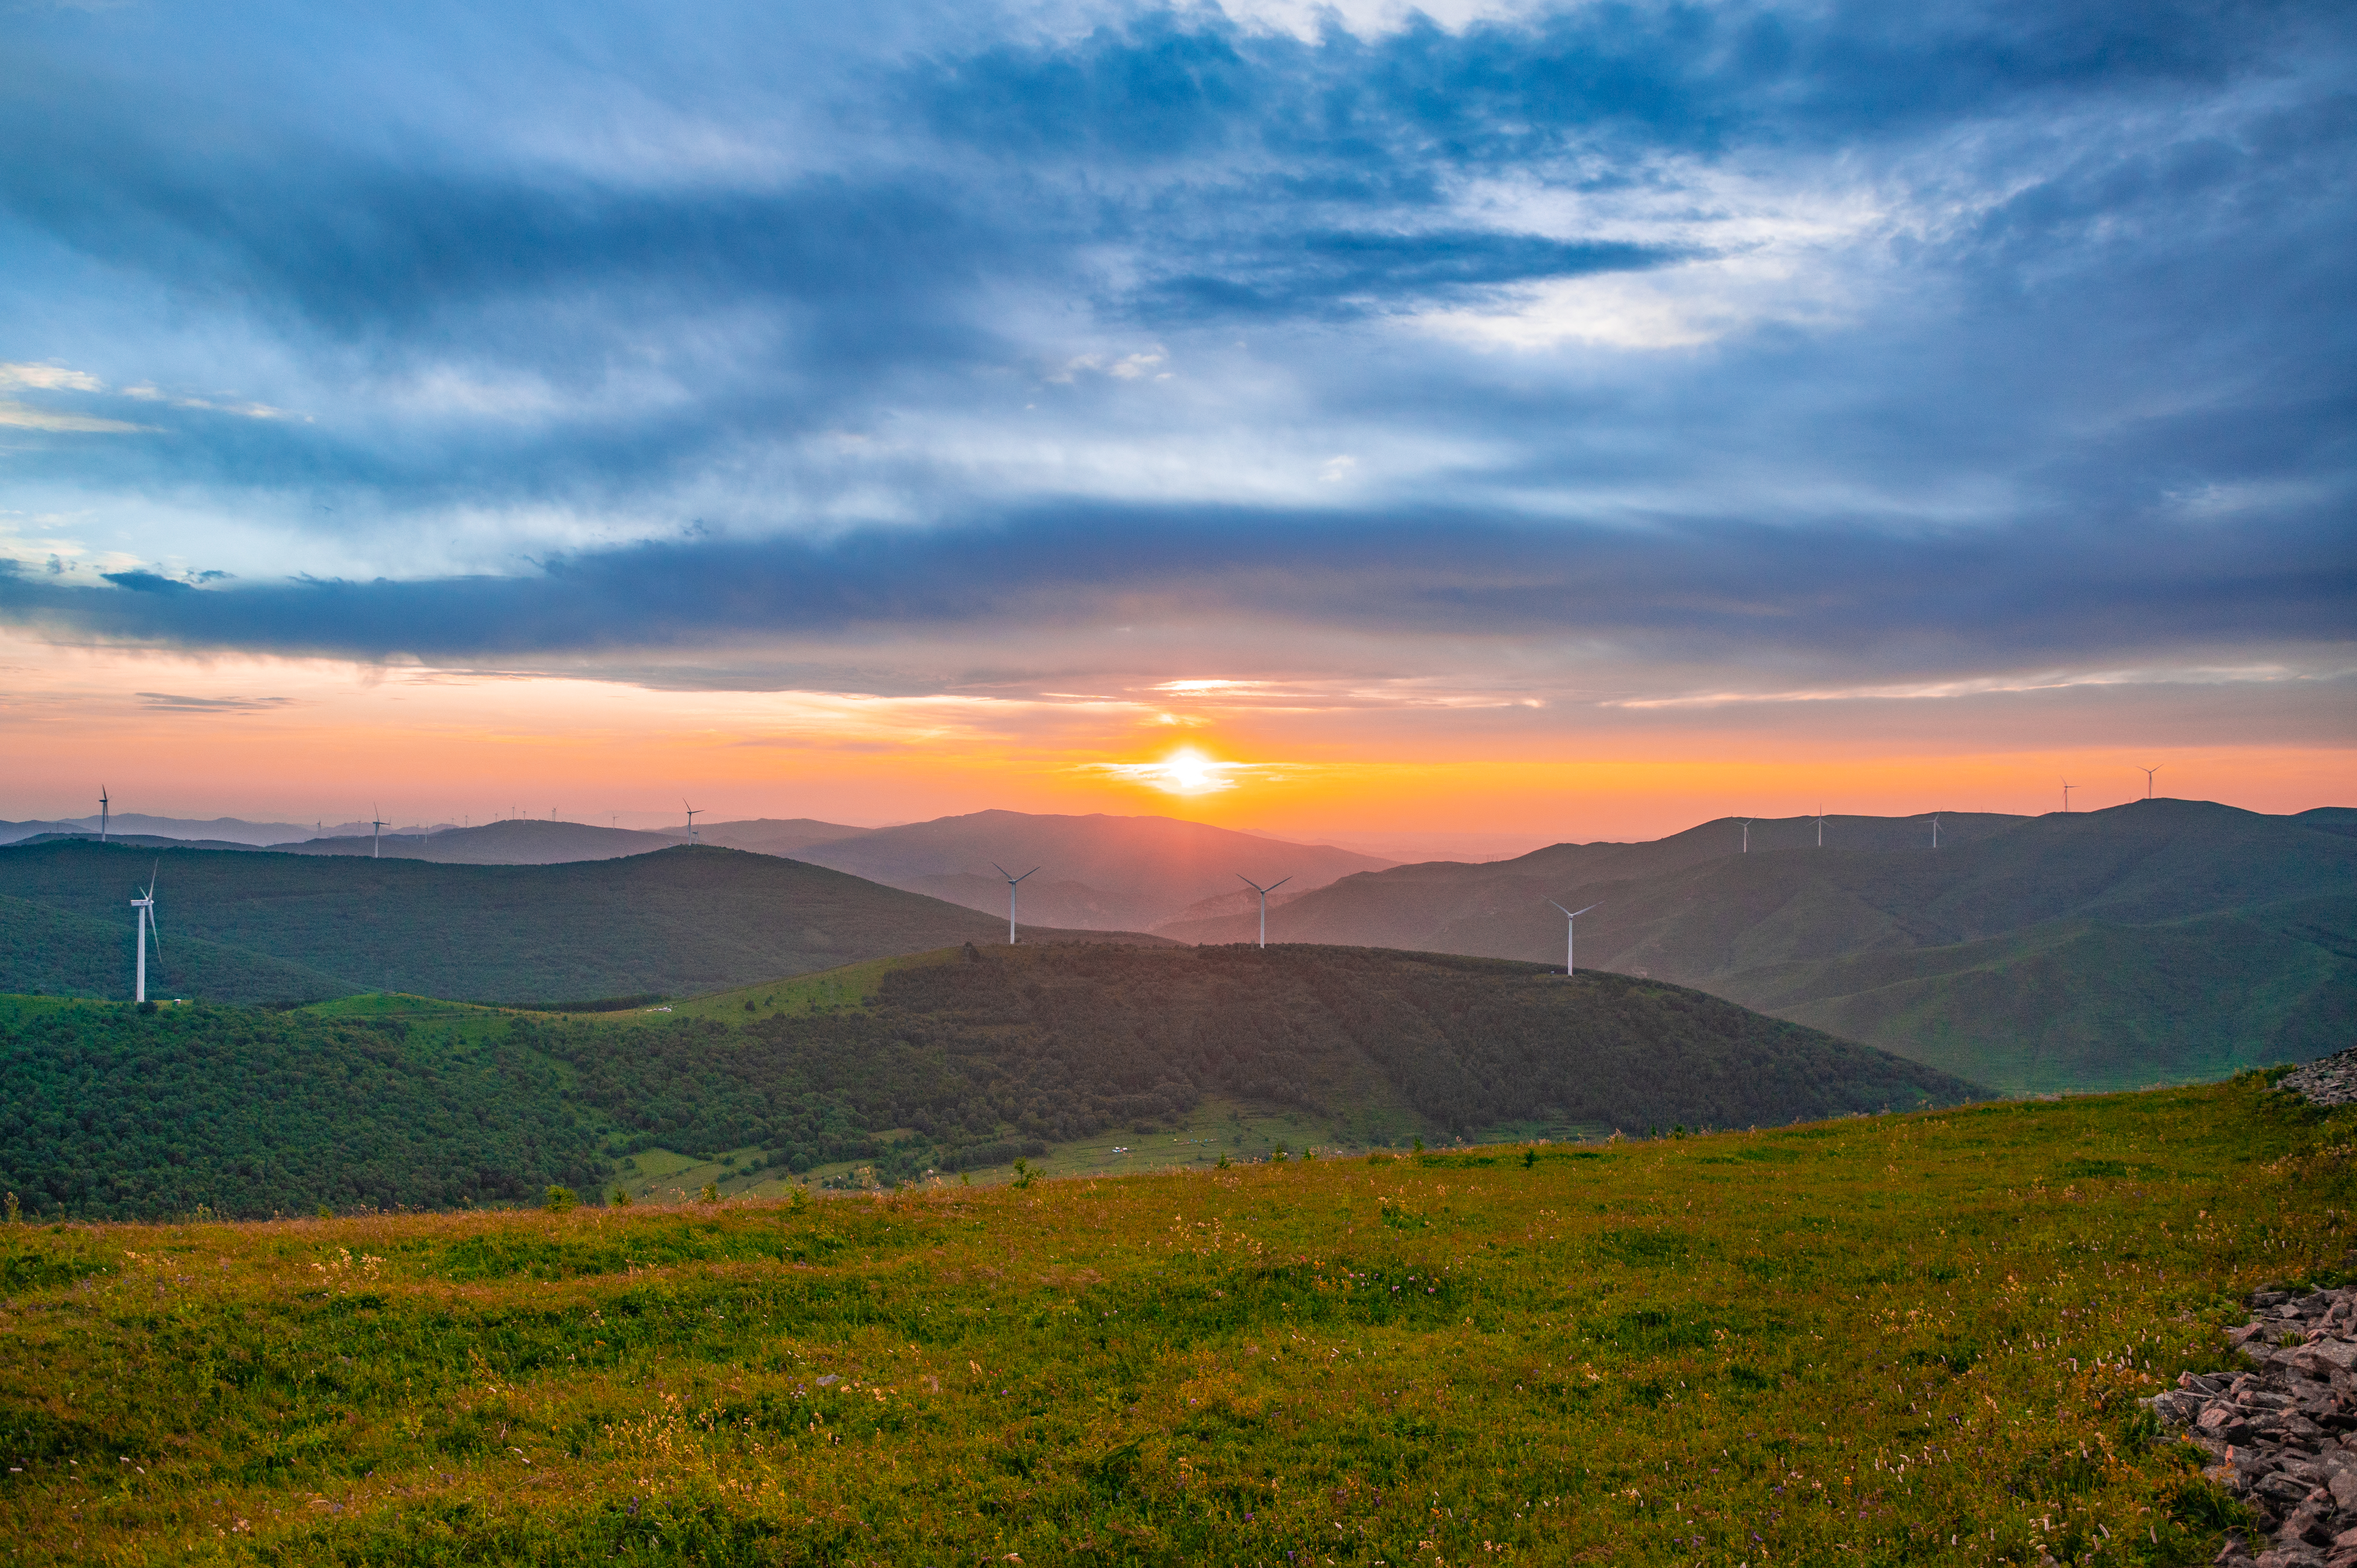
(1455, 429)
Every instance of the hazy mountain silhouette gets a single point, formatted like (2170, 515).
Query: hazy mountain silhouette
(1097, 873)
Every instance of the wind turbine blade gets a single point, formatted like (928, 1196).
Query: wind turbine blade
(1027, 874)
(1278, 883)
(1576, 913)
(1559, 906)
(1000, 869)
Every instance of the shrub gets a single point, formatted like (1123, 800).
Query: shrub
(557, 1200)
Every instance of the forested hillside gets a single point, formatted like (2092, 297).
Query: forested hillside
(961, 1061)
(2161, 942)
(679, 921)
(110, 1113)
(49, 951)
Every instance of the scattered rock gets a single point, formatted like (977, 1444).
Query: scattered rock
(2285, 1434)
(2331, 1080)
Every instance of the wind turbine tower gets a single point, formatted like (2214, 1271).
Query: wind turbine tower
(376, 835)
(1747, 844)
(1264, 893)
(146, 905)
(693, 812)
(1935, 830)
(2067, 788)
(1820, 824)
(2148, 773)
(1013, 885)
(1570, 935)
(102, 803)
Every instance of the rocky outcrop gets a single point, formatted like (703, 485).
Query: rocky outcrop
(2279, 1429)
(2330, 1080)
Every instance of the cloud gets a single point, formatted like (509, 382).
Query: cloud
(165, 701)
(25, 416)
(53, 377)
(1961, 337)
(1848, 599)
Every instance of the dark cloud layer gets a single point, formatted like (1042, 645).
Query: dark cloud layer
(1946, 335)
(1838, 600)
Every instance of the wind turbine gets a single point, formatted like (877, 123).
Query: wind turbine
(1935, 830)
(1264, 893)
(102, 803)
(1570, 935)
(1012, 884)
(2148, 773)
(1747, 844)
(2067, 788)
(693, 811)
(146, 905)
(376, 836)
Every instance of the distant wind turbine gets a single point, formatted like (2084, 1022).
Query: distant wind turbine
(1570, 935)
(1820, 824)
(376, 836)
(146, 905)
(1264, 893)
(103, 804)
(2148, 773)
(1935, 830)
(1013, 884)
(692, 813)
(1747, 843)
(2067, 788)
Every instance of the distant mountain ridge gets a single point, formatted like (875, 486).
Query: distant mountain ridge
(1097, 872)
(2161, 941)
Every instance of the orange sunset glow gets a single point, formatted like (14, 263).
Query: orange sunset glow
(305, 739)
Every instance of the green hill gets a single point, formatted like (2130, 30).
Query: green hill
(677, 921)
(961, 1061)
(48, 951)
(110, 1113)
(2161, 941)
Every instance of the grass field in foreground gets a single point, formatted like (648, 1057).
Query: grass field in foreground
(1886, 1340)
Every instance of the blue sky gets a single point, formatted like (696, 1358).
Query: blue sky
(1610, 358)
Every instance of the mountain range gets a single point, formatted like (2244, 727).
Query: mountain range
(269, 925)
(2163, 940)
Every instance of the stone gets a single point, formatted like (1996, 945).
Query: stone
(2224, 1423)
(2327, 1355)
(2308, 1524)
(2283, 1489)
(2344, 1493)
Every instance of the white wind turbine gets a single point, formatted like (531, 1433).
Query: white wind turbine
(376, 835)
(146, 905)
(1264, 893)
(1820, 824)
(2148, 773)
(693, 812)
(1935, 830)
(1747, 844)
(1570, 937)
(1013, 884)
(103, 804)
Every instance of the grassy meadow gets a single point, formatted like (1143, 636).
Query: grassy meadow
(1884, 1339)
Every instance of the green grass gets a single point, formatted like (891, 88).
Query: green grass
(1916, 1338)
